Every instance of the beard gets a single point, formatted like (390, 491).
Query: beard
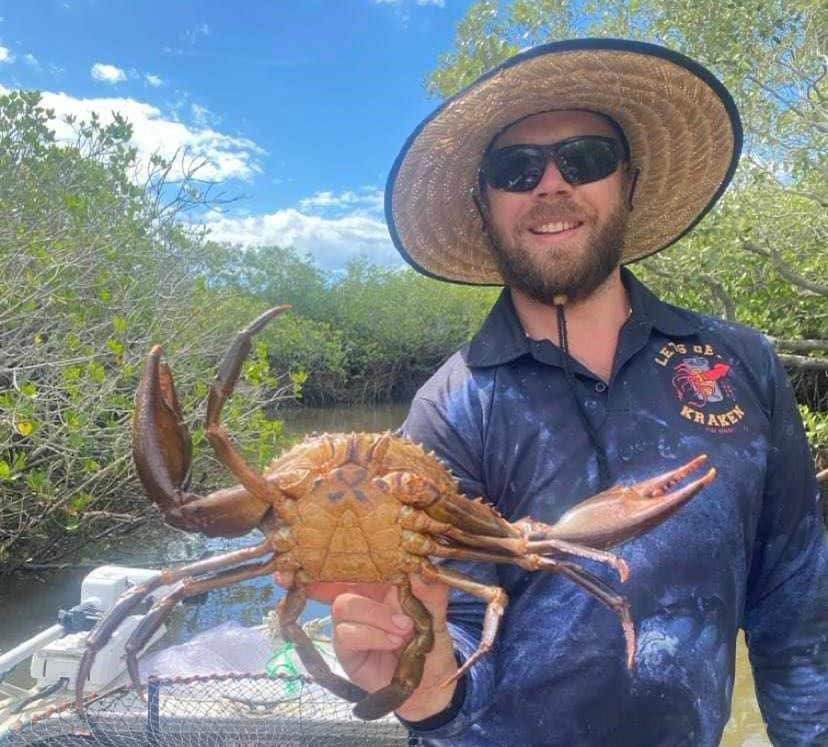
(572, 272)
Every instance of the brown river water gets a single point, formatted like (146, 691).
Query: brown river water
(28, 604)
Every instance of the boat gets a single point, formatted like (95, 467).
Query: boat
(230, 686)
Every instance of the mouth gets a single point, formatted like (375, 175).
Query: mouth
(556, 229)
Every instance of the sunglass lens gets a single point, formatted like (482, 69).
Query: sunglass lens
(515, 169)
(586, 160)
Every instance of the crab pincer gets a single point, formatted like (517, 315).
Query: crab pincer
(623, 512)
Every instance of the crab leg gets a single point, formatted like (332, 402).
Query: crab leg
(570, 548)
(586, 580)
(99, 636)
(542, 547)
(496, 600)
(290, 607)
(603, 593)
(409, 671)
(222, 388)
(420, 521)
(189, 587)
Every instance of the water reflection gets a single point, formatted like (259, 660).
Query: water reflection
(35, 603)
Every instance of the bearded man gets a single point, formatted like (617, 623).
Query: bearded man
(547, 176)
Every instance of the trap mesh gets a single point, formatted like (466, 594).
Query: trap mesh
(232, 710)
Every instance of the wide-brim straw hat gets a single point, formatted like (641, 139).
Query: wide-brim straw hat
(682, 126)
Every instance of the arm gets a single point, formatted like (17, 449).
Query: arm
(786, 610)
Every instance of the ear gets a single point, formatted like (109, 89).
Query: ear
(632, 183)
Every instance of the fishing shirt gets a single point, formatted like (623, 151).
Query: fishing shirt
(749, 551)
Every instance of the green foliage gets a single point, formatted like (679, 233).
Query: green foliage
(816, 426)
(96, 267)
(276, 276)
(373, 334)
(314, 351)
(400, 325)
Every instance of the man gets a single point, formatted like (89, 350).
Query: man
(545, 176)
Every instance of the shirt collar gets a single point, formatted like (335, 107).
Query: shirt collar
(501, 338)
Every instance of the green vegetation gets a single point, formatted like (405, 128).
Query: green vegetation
(99, 262)
(98, 265)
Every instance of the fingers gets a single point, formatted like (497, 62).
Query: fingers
(363, 624)
(375, 606)
(367, 623)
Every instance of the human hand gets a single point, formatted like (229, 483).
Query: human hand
(370, 631)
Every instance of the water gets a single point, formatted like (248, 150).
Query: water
(28, 604)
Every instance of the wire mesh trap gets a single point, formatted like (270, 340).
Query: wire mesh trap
(232, 710)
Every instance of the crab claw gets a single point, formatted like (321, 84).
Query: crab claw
(161, 445)
(623, 512)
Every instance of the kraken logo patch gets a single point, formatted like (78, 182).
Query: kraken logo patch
(702, 387)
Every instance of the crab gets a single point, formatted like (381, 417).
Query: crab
(358, 507)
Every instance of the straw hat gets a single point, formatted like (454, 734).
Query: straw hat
(682, 126)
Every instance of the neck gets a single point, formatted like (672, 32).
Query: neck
(592, 323)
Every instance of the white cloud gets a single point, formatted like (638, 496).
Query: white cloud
(192, 35)
(331, 242)
(30, 59)
(367, 201)
(154, 80)
(107, 73)
(224, 156)
(203, 117)
(6, 55)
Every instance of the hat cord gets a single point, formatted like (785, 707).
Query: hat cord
(600, 452)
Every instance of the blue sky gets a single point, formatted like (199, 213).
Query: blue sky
(299, 107)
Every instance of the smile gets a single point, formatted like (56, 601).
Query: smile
(559, 227)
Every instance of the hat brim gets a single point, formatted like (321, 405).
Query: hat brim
(683, 129)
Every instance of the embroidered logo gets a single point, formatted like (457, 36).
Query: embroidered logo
(700, 381)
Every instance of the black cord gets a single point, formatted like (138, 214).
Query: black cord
(603, 464)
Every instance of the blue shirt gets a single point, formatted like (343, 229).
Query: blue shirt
(749, 551)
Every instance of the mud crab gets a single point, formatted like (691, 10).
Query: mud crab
(357, 507)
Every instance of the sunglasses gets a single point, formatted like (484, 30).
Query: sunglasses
(582, 159)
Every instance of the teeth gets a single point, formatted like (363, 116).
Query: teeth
(555, 227)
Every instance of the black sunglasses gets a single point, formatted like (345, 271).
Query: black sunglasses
(582, 159)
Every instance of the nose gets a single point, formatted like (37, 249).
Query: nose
(552, 183)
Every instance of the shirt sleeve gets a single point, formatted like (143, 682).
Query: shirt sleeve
(456, 443)
(786, 610)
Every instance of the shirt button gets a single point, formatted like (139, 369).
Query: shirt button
(600, 387)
